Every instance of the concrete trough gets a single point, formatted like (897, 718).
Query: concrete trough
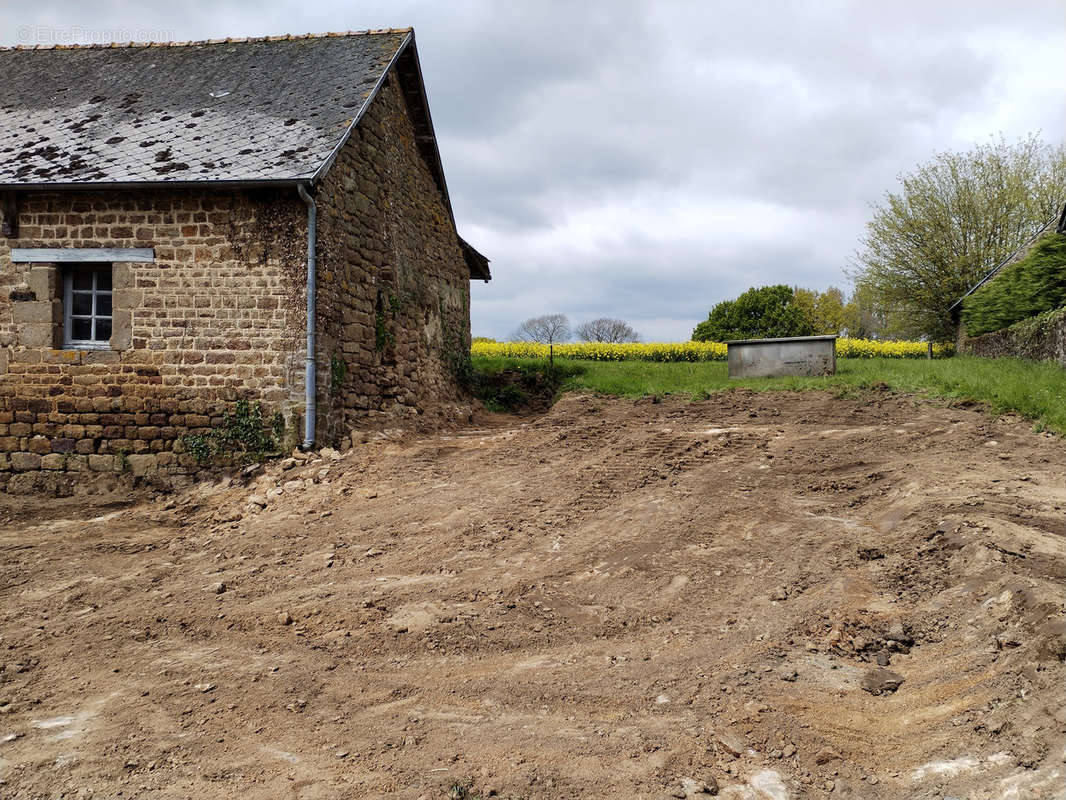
(771, 358)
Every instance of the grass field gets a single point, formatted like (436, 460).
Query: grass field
(1036, 391)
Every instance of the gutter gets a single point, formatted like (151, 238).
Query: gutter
(89, 186)
(310, 407)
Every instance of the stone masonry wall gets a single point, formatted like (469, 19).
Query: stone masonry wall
(219, 314)
(394, 289)
(1041, 338)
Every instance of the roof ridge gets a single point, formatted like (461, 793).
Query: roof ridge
(200, 42)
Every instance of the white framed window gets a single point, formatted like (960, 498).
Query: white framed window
(87, 306)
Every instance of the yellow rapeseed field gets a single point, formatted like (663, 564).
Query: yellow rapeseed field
(690, 351)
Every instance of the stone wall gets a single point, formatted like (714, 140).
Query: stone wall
(1042, 338)
(218, 314)
(394, 289)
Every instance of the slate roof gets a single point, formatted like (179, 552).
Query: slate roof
(250, 111)
(234, 110)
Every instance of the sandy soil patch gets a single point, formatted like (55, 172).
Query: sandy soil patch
(767, 596)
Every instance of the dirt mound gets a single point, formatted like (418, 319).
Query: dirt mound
(759, 596)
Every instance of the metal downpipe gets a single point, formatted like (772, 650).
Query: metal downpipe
(310, 407)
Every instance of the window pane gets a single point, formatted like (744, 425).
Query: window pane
(103, 330)
(80, 329)
(81, 303)
(83, 279)
(103, 278)
(103, 304)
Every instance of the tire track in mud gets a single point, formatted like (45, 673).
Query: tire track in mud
(596, 602)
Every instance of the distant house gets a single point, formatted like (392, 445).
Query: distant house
(184, 225)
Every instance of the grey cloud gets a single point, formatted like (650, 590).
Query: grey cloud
(647, 159)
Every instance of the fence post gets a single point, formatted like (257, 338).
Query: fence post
(929, 350)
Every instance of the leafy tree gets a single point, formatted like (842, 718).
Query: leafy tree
(767, 312)
(606, 329)
(827, 311)
(952, 220)
(863, 319)
(548, 329)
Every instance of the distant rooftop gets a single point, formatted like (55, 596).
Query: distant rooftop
(249, 110)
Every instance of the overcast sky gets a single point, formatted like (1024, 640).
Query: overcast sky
(645, 160)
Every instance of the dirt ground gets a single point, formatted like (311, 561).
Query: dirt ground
(612, 599)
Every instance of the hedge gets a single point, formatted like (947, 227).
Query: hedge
(1034, 285)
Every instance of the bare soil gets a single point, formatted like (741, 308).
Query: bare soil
(599, 601)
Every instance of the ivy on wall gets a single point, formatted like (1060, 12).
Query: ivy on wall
(385, 310)
(244, 435)
(1034, 285)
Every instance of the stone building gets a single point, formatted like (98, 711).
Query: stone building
(179, 222)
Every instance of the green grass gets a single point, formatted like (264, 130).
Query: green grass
(1033, 390)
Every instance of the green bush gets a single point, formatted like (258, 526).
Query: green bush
(763, 313)
(1032, 286)
(506, 384)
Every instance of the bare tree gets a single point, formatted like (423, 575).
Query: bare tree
(548, 329)
(606, 329)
